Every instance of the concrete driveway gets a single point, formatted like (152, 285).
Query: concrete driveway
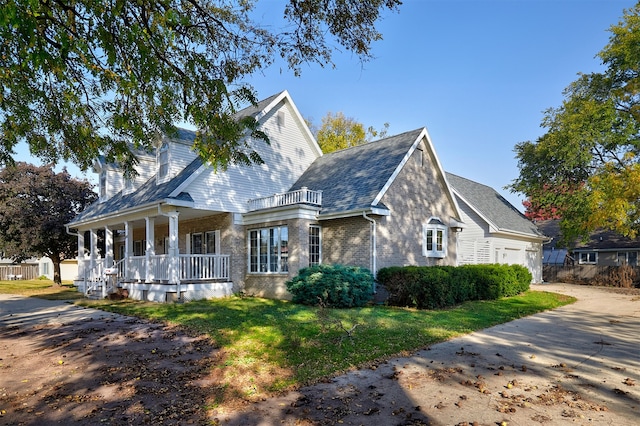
(25, 312)
(579, 364)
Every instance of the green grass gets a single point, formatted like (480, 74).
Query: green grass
(272, 345)
(44, 289)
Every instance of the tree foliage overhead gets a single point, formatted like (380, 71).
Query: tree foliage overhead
(340, 132)
(84, 78)
(586, 167)
(35, 205)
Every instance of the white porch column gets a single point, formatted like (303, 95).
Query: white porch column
(93, 250)
(174, 251)
(108, 247)
(128, 247)
(81, 256)
(150, 249)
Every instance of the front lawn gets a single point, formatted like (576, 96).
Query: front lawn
(44, 289)
(270, 345)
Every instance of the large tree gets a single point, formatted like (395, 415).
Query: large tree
(83, 78)
(338, 131)
(586, 167)
(35, 204)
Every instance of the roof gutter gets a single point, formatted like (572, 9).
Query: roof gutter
(378, 211)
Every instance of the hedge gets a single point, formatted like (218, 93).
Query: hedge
(432, 287)
(335, 286)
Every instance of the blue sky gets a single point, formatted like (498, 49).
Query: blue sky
(477, 73)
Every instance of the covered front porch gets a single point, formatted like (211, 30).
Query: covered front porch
(149, 258)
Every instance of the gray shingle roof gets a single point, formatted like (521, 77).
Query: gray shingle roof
(150, 192)
(352, 178)
(491, 205)
(598, 240)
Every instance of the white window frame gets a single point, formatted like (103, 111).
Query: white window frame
(587, 255)
(197, 243)
(140, 247)
(319, 254)
(434, 238)
(261, 250)
(215, 235)
(102, 183)
(163, 161)
(127, 184)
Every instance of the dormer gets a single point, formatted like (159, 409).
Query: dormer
(173, 155)
(109, 179)
(145, 169)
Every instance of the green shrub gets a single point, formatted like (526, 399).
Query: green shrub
(431, 287)
(336, 286)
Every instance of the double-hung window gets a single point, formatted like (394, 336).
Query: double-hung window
(103, 184)
(269, 250)
(163, 161)
(434, 238)
(315, 253)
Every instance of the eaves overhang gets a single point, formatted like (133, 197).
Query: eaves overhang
(131, 211)
(378, 211)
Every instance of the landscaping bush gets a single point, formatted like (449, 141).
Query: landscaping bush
(432, 287)
(336, 286)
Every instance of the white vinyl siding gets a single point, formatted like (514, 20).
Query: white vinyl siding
(285, 160)
(478, 245)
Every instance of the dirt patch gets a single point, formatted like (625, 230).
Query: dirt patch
(96, 371)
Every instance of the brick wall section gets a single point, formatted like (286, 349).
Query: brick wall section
(347, 241)
(273, 285)
(417, 194)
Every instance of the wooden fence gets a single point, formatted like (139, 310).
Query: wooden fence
(613, 276)
(18, 272)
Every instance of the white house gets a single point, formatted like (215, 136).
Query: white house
(495, 231)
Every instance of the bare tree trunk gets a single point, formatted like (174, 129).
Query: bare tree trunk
(57, 279)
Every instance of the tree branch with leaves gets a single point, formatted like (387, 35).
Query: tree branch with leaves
(85, 78)
(586, 167)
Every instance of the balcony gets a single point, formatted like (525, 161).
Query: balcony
(300, 196)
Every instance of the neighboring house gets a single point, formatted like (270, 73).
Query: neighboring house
(495, 231)
(603, 248)
(181, 230)
(37, 267)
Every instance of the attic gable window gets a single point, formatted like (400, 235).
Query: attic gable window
(434, 238)
(103, 183)
(128, 184)
(163, 160)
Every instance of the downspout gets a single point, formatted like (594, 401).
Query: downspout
(374, 251)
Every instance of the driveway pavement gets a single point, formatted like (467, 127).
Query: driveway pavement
(579, 365)
(27, 312)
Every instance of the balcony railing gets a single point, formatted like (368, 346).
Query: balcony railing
(300, 196)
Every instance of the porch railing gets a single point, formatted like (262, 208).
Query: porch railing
(203, 267)
(300, 196)
(192, 267)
